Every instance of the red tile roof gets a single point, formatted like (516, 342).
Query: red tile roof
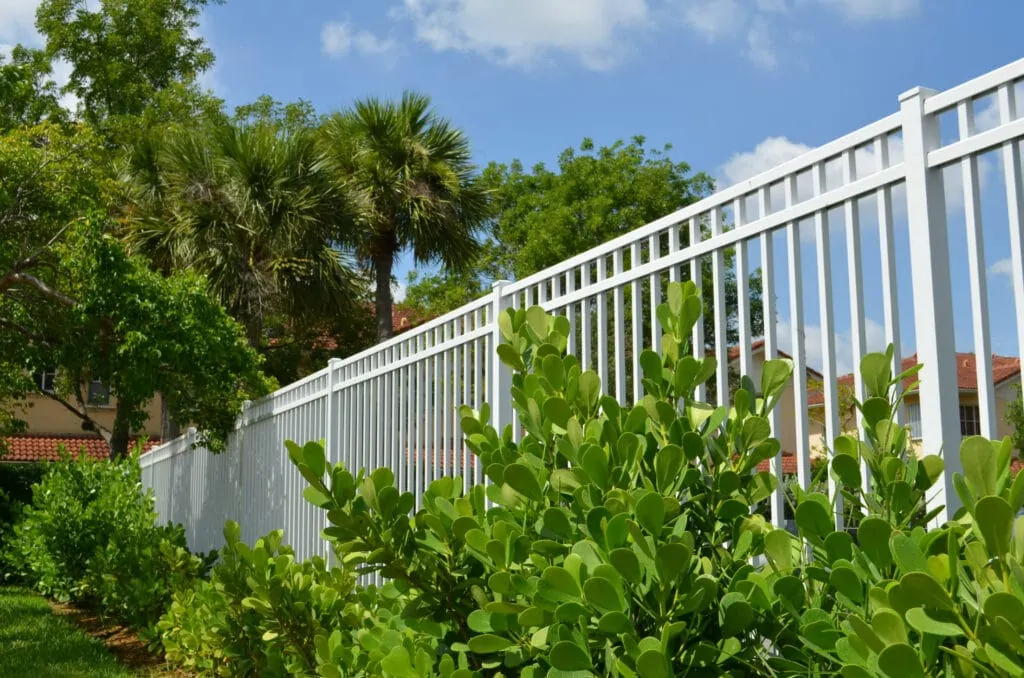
(44, 447)
(1003, 368)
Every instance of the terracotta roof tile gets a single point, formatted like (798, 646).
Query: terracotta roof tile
(41, 447)
(1003, 368)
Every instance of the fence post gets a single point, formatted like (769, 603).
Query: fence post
(500, 375)
(330, 435)
(933, 303)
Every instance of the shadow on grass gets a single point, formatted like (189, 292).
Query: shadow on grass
(33, 642)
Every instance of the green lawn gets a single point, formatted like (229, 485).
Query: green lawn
(33, 642)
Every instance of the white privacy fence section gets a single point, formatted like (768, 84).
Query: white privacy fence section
(806, 257)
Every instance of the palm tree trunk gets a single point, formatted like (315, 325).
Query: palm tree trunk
(383, 264)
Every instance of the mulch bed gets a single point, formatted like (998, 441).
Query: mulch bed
(122, 642)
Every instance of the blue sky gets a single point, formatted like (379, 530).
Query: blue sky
(735, 86)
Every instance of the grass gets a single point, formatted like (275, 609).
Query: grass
(33, 642)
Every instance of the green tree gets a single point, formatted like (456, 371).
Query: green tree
(251, 208)
(133, 62)
(71, 298)
(413, 184)
(438, 293)
(28, 95)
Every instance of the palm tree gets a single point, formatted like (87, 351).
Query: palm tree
(251, 207)
(409, 175)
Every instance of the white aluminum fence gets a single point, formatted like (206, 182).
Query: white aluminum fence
(828, 222)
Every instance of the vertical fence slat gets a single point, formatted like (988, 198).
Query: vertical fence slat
(797, 342)
(637, 308)
(976, 274)
(721, 340)
(697, 276)
(1015, 204)
(828, 349)
(620, 329)
(933, 299)
(851, 213)
(771, 349)
(887, 245)
(743, 345)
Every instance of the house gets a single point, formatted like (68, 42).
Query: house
(51, 425)
(1006, 373)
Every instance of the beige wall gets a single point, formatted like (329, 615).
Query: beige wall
(48, 416)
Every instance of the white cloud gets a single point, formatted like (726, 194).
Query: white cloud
(398, 291)
(714, 19)
(524, 32)
(766, 155)
(874, 10)
(17, 21)
(340, 38)
(1002, 267)
(760, 47)
(874, 336)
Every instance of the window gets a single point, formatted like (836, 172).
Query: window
(99, 395)
(970, 420)
(44, 380)
(913, 413)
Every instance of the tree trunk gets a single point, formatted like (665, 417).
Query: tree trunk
(119, 433)
(169, 428)
(383, 264)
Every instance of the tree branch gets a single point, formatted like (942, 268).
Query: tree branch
(14, 278)
(82, 414)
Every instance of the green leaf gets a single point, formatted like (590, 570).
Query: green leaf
(626, 564)
(994, 518)
(667, 463)
(538, 321)
(653, 664)
(814, 520)
(603, 595)
(889, 627)
(775, 375)
(778, 546)
(1003, 604)
(873, 536)
(554, 371)
(590, 388)
(556, 521)
(650, 363)
(923, 622)
(523, 480)
(489, 643)
(316, 497)
(510, 356)
(907, 554)
(920, 589)
(876, 371)
(650, 512)
(900, 661)
(568, 656)
(847, 470)
(398, 664)
(557, 410)
(315, 458)
(671, 561)
(978, 458)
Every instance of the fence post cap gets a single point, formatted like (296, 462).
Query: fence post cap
(923, 92)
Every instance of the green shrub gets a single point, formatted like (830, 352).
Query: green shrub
(619, 541)
(16, 480)
(264, 614)
(90, 536)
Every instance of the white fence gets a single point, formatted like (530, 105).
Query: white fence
(893, 181)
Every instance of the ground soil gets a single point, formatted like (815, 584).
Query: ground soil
(122, 642)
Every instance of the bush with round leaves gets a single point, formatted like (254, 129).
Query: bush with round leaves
(609, 540)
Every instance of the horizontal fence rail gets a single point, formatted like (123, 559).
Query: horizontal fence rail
(823, 259)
